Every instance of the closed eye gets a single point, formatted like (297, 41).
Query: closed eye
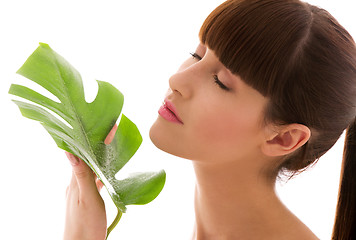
(220, 84)
(195, 55)
(217, 81)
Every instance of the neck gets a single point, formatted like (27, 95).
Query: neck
(232, 203)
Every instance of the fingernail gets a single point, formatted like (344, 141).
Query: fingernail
(72, 159)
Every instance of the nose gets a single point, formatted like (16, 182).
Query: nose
(182, 83)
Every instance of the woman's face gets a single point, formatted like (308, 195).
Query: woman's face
(209, 114)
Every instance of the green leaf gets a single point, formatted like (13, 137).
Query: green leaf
(89, 124)
(132, 191)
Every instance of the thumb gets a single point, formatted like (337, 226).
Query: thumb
(83, 176)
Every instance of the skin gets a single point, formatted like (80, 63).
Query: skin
(233, 151)
(85, 212)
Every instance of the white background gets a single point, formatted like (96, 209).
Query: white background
(136, 46)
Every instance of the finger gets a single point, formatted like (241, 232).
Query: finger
(111, 135)
(67, 190)
(73, 185)
(72, 191)
(72, 159)
(82, 175)
(99, 184)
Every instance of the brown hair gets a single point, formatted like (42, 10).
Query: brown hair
(304, 61)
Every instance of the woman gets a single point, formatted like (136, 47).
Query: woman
(270, 89)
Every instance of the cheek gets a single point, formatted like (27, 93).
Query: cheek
(222, 128)
(226, 132)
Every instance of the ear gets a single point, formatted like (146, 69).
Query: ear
(286, 140)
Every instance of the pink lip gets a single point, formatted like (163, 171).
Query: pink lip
(168, 112)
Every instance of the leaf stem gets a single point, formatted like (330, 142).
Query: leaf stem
(114, 223)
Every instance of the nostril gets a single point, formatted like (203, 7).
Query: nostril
(171, 91)
(176, 91)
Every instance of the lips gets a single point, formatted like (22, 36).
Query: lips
(168, 112)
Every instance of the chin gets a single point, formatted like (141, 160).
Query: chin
(154, 136)
(158, 138)
(162, 140)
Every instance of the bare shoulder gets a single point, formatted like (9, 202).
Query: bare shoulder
(304, 234)
(295, 229)
(287, 226)
(294, 233)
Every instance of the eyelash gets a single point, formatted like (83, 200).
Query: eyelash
(217, 81)
(195, 55)
(220, 84)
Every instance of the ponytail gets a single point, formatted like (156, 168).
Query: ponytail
(345, 219)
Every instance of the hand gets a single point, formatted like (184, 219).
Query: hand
(85, 212)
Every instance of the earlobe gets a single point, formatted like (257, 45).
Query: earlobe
(288, 139)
